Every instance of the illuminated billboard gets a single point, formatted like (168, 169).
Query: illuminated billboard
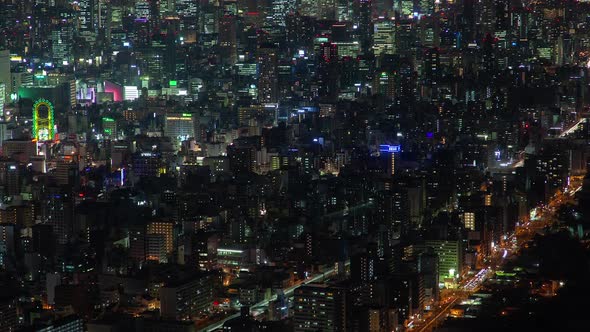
(43, 120)
(386, 148)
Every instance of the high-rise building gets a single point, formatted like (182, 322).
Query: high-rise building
(87, 14)
(319, 307)
(61, 44)
(57, 211)
(279, 11)
(241, 159)
(137, 243)
(363, 18)
(362, 267)
(468, 219)
(109, 127)
(156, 248)
(3, 101)
(42, 240)
(268, 82)
(179, 126)
(165, 228)
(450, 257)
(7, 244)
(5, 77)
(147, 164)
(227, 39)
(8, 314)
(384, 37)
(10, 177)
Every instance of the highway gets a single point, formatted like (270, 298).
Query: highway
(466, 288)
(288, 292)
(572, 128)
(510, 246)
(438, 317)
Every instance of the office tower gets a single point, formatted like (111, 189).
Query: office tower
(450, 257)
(468, 219)
(166, 229)
(319, 307)
(363, 19)
(428, 268)
(268, 88)
(380, 318)
(299, 31)
(183, 299)
(67, 173)
(187, 8)
(10, 177)
(384, 37)
(52, 280)
(426, 7)
(280, 10)
(143, 9)
(393, 209)
(327, 72)
(57, 211)
(308, 8)
(486, 16)
(326, 9)
(87, 10)
(3, 101)
(404, 7)
(109, 127)
(5, 77)
(42, 240)
(137, 243)
(61, 44)
(147, 164)
(156, 248)
(179, 126)
(227, 39)
(430, 34)
(503, 14)
(362, 266)
(8, 313)
(241, 159)
(208, 19)
(172, 64)
(432, 69)
(7, 245)
(344, 10)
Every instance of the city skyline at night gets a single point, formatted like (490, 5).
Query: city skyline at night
(294, 165)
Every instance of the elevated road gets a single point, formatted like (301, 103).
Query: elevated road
(288, 292)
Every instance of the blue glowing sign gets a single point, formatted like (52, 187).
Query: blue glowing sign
(389, 148)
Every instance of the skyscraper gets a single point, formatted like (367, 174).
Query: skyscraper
(5, 73)
(384, 37)
(268, 85)
(179, 126)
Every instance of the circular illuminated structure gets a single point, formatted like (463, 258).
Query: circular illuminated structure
(43, 120)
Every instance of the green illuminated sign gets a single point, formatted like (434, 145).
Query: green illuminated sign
(187, 115)
(172, 83)
(505, 274)
(108, 119)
